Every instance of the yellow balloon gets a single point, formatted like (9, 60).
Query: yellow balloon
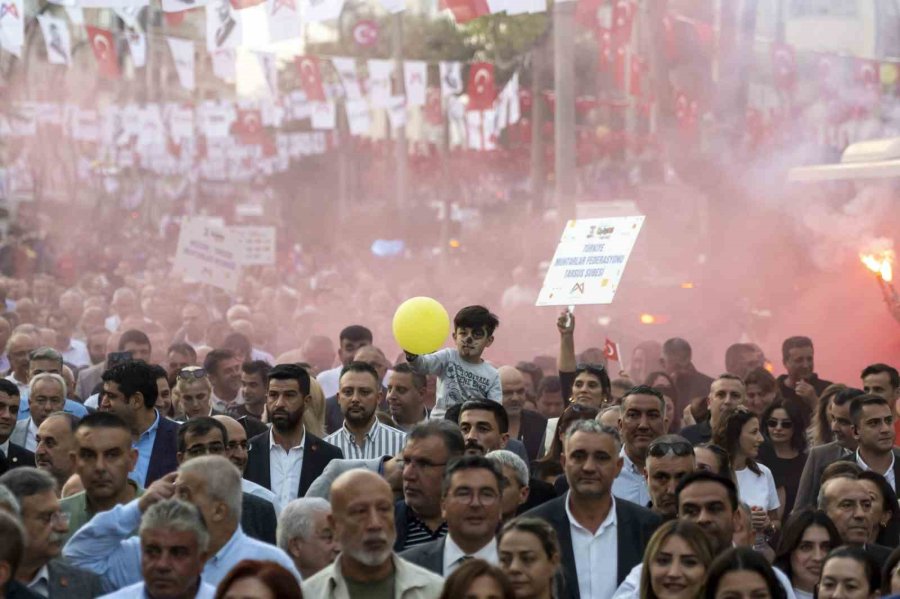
(421, 325)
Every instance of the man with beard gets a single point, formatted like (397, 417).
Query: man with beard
(374, 357)
(174, 543)
(287, 459)
(643, 420)
(363, 522)
(362, 436)
(56, 446)
(801, 382)
(45, 526)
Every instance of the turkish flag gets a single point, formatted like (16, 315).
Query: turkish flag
(607, 49)
(622, 20)
(104, 46)
(248, 126)
(611, 350)
(481, 90)
(784, 66)
(311, 78)
(466, 10)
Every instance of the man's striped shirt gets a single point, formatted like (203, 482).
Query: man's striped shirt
(381, 440)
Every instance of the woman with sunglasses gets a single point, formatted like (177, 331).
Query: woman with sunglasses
(738, 432)
(806, 539)
(785, 454)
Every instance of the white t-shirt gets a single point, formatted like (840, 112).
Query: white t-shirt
(458, 380)
(757, 490)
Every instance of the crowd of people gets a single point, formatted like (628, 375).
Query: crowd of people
(164, 440)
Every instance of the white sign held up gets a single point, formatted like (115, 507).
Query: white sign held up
(257, 245)
(589, 261)
(208, 254)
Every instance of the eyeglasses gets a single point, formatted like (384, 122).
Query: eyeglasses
(663, 448)
(57, 517)
(775, 423)
(485, 496)
(211, 449)
(195, 372)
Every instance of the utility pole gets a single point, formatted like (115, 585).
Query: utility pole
(538, 176)
(400, 149)
(564, 84)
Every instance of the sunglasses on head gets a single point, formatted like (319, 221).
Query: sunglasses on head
(191, 373)
(596, 369)
(663, 448)
(775, 423)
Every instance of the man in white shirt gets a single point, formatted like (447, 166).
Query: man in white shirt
(643, 419)
(873, 421)
(174, 545)
(224, 370)
(305, 532)
(73, 351)
(351, 339)
(471, 505)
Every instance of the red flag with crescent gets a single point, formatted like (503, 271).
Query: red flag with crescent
(611, 350)
(481, 90)
(247, 128)
(104, 46)
(311, 78)
(466, 10)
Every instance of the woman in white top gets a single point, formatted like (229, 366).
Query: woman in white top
(806, 539)
(738, 432)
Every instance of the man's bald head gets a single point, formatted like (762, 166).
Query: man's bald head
(357, 483)
(362, 515)
(236, 451)
(374, 357)
(512, 384)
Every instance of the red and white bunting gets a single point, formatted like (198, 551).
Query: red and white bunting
(56, 39)
(12, 26)
(359, 117)
(466, 10)
(311, 78)
(379, 82)
(415, 81)
(323, 10)
(481, 90)
(396, 112)
(284, 19)
(268, 64)
(324, 116)
(451, 79)
(346, 70)
(137, 45)
(183, 55)
(224, 64)
(103, 45)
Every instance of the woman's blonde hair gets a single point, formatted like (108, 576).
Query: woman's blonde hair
(314, 414)
(692, 534)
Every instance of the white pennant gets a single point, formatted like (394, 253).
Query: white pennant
(324, 115)
(379, 83)
(397, 112)
(269, 65)
(451, 79)
(393, 6)
(359, 117)
(56, 38)
(323, 10)
(507, 106)
(474, 130)
(223, 62)
(284, 19)
(137, 44)
(129, 14)
(76, 14)
(223, 28)
(346, 70)
(183, 55)
(415, 81)
(12, 26)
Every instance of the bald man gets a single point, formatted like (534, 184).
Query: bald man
(362, 518)
(527, 426)
(236, 452)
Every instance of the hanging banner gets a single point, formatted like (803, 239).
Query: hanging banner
(359, 117)
(12, 26)
(346, 70)
(104, 47)
(223, 62)
(508, 107)
(223, 29)
(589, 261)
(183, 55)
(481, 90)
(268, 63)
(137, 44)
(56, 38)
(208, 254)
(451, 79)
(379, 83)
(396, 112)
(129, 13)
(311, 78)
(415, 81)
(284, 20)
(324, 115)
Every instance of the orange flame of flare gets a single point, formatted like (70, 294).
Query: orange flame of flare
(881, 264)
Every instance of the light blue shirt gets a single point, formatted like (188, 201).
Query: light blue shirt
(70, 407)
(144, 447)
(105, 546)
(631, 485)
(206, 591)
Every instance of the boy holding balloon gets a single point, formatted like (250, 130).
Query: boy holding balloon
(462, 372)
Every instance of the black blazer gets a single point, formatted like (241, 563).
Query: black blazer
(634, 527)
(316, 455)
(531, 433)
(163, 458)
(539, 493)
(428, 555)
(258, 518)
(19, 456)
(852, 458)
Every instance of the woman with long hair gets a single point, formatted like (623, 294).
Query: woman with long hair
(890, 574)
(738, 432)
(820, 431)
(675, 561)
(260, 580)
(784, 426)
(529, 554)
(477, 579)
(806, 539)
(712, 458)
(742, 572)
(849, 573)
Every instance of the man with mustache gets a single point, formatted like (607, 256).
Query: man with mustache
(103, 459)
(287, 458)
(362, 518)
(174, 543)
(643, 420)
(46, 525)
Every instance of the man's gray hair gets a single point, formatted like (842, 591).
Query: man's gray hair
(48, 376)
(178, 515)
(27, 481)
(46, 353)
(298, 519)
(9, 500)
(595, 428)
(222, 478)
(504, 457)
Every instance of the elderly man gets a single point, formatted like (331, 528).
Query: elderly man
(212, 483)
(18, 348)
(236, 452)
(363, 521)
(48, 395)
(45, 525)
(40, 361)
(174, 544)
(12, 545)
(56, 446)
(515, 488)
(305, 533)
(525, 425)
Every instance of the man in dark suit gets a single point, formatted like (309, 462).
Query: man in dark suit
(471, 526)
(129, 392)
(40, 570)
(847, 502)
(873, 423)
(287, 459)
(601, 538)
(844, 444)
(16, 455)
(525, 425)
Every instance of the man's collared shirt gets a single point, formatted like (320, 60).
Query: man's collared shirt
(4, 447)
(40, 584)
(220, 405)
(137, 590)
(380, 440)
(888, 476)
(144, 446)
(31, 436)
(418, 533)
(630, 485)
(454, 556)
(77, 354)
(284, 468)
(596, 554)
